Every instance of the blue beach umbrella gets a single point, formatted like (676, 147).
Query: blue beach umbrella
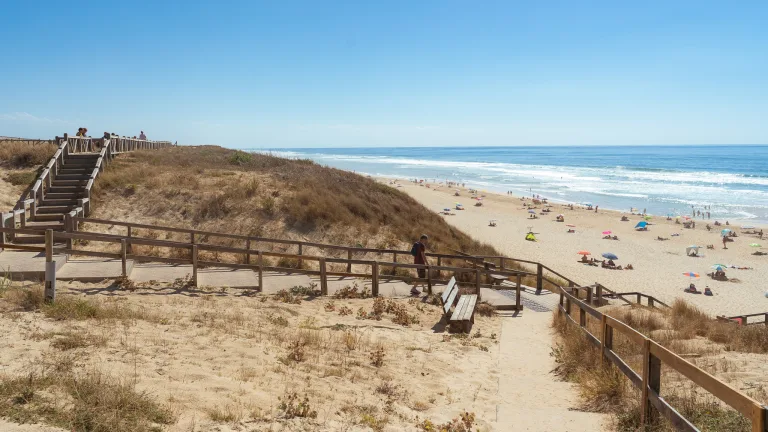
(724, 232)
(532, 211)
(610, 256)
(641, 224)
(718, 267)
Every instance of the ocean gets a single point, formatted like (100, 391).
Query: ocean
(732, 181)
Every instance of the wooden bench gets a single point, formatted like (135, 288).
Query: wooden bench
(464, 312)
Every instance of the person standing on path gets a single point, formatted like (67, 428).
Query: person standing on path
(142, 136)
(419, 252)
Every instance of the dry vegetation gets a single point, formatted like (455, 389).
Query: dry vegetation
(217, 189)
(717, 347)
(25, 154)
(154, 358)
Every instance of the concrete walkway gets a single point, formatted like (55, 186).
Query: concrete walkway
(531, 397)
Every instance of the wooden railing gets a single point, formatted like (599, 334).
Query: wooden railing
(365, 268)
(744, 319)
(648, 380)
(106, 147)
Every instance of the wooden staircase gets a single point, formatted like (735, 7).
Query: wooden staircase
(61, 197)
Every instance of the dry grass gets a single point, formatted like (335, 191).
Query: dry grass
(88, 400)
(25, 154)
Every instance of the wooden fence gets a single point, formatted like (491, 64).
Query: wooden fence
(365, 268)
(649, 379)
(744, 319)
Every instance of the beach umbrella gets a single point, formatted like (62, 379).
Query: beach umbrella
(691, 274)
(691, 248)
(561, 215)
(570, 225)
(648, 217)
(610, 256)
(641, 224)
(724, 232)
(583, 252)
(532, 211)
(718, 267)
(747, 227)
(755, 245)
(607, 232)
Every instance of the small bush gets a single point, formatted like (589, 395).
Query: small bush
(377, 356)
(292, 406)
(21, 178)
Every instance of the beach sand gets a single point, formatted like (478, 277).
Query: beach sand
(659, 265)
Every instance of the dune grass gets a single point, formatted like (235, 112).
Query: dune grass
(25, 154)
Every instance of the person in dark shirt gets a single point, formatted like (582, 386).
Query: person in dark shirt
(420, 257)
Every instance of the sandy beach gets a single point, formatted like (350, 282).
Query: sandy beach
(658, 265)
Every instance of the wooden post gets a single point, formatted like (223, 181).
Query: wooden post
(438, 261)
(248, 253)
(603, 334)
(123, 252)
(539, 278)
(599, 294)
(639, 299)
(589, 296)
(394, 257)
(429, 280)
(568, 306)
(349, 257)
(192, 237)
(766, 319)
(652, 382)
(645, 407)
(650, 302)
(261, 272)
(50, 268)
(501, 262)
(375, 279)
(68, 228)
(477, 282)
(194, 264)
(582, 317)
(323, 278)
(128, 242)
(517, 295)
(301, 252)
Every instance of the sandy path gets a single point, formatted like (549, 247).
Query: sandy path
(659, 265)
(531, 398)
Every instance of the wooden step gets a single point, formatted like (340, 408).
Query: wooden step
(73, 195)
(48, 201)
(44, 225)
(48, 217)
(58, 182)
(27, 239)
(70, 171)
(60, 177)
(49, 209)
(81, 157)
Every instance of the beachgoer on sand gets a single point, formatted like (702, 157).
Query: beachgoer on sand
(142, 136)
(419, 251)
(725, 239)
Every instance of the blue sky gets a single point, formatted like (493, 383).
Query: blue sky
(410, 73)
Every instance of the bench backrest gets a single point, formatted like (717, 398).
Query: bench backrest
(449, 295)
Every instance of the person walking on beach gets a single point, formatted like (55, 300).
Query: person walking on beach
(419, 252)
(725, 239)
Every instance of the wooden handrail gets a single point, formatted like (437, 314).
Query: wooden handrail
(654, 356)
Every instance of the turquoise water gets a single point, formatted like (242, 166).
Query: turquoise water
(732, 179)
